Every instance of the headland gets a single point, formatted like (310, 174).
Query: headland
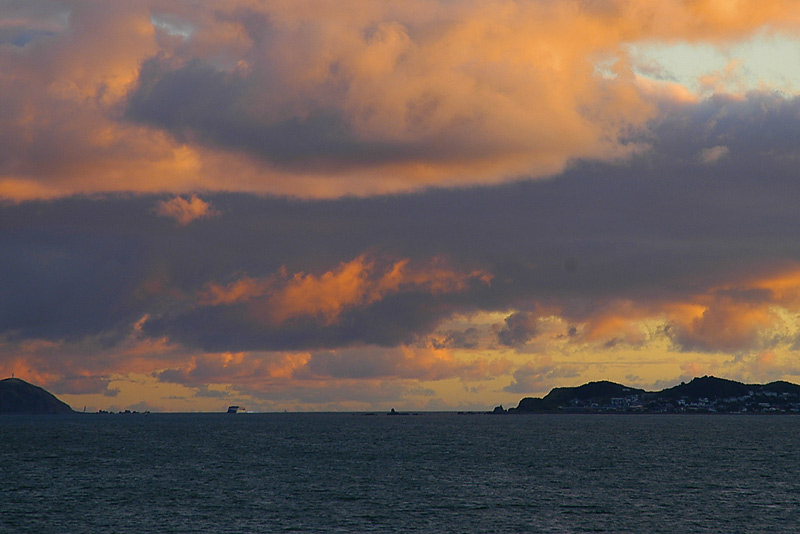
(20, 397)
(706, 394)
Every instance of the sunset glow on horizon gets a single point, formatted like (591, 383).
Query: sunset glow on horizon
(426, 205)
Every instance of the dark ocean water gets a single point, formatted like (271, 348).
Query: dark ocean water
(434, 473)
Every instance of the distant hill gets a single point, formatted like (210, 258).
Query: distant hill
(714, 388)
(707, 387)
(706, 394)
(18, 396)
(602, 391)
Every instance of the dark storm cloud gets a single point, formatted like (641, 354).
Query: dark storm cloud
(663, 225)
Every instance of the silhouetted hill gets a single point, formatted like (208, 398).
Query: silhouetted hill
(713, 388)
(530, 404)
(18, 396)
(783, 387)
(602, 391)
(706, 394)
(593, 393)
(707, 387)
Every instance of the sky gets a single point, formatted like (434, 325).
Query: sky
(421, 205)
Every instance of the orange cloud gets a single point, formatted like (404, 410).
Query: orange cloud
(783, 287)
(185, 211)
(430, 363)
(726, 326)
(618, 321)
(718, 321)
(258, 370)
(426, 92)
(88, 365)
(357, 283)
(741, 316)
(255, 369)
(241, 290)
(748, 313)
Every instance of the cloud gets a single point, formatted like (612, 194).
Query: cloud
(540, 376)
(724, 328)
(662, 227)
(262, 373)
(367, 300)
(459, 339)
(196, 102)
(520, 328)
(407, 362)
(345, 110)
(713, 154)
(237, 368)
(659, 256)
(358, 283)
(617, 321)
(204, 391)
(324, 100)
(185, 211)
(25, 22)
(736, 320)
(81, 385)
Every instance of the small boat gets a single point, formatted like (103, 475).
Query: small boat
(236, 409)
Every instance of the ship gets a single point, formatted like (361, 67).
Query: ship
(236, 409)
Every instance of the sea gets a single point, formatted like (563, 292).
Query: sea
(429, 472)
